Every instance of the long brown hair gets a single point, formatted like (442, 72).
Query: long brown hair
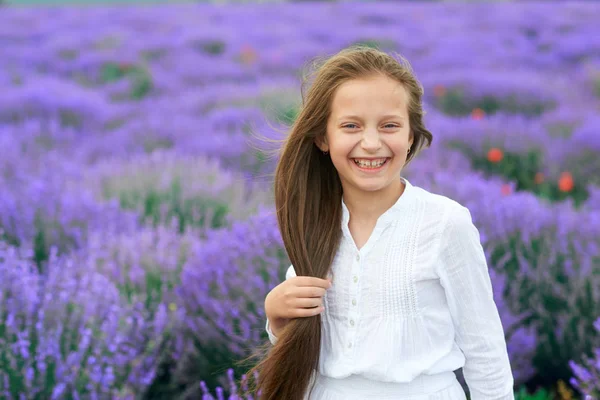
(308, 200)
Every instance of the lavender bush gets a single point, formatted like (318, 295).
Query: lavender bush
(194, 191)
(521, 340)
(222, 294)
(593, 202)
(232, 384)
(491, 91)
(40, 212)
(554, 168)
(144, 265)
(67, 334)
(46, 98)
(587, 374)
(580, 154)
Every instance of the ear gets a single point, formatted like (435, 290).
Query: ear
(321, 143)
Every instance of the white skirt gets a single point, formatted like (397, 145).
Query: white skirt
(425, 387)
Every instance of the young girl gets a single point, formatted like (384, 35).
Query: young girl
(411, 298)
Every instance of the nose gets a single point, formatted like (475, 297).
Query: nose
(370, 140)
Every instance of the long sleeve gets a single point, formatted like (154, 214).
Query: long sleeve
(464, 274)
(290, 273)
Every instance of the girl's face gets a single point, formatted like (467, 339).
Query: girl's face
(368, 133)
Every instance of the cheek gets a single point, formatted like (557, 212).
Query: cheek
(342, 148)
(398, 146)
(340, 161)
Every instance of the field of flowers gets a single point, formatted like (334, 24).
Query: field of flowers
(137, 231)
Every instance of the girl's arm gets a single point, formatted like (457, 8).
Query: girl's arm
(464, 275)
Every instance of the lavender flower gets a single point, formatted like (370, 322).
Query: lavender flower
(587, 373)
(42, 212)
(165, 188)
(222, 289)
(45, 98)
(515, 92)
(145, 266)
(233, 390)
(579, 154)
(67, 333)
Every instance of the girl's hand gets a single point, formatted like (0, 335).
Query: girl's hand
(296, 297)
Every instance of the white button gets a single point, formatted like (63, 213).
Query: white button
(355, 278)
(349, 345)
(352, 322)
(353, 302)
(358, 257)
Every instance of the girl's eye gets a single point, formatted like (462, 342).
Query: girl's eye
(353, 126)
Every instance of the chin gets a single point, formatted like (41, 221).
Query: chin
(371, 186)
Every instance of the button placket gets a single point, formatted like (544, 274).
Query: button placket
(352, 315)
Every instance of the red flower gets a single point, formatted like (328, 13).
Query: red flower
(477, 114)
(565, 182)
(495, 155)
(506, 189)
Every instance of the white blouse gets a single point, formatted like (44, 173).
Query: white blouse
(415, 299)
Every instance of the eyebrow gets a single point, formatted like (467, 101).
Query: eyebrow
(383, 117)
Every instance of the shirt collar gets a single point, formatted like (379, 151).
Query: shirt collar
(399, 206)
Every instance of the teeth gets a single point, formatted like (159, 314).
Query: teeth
(370, 163)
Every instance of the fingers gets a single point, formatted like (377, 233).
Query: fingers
(303, 296)
(308, 303)
(309, 292)
(307, 312)
(302, 281)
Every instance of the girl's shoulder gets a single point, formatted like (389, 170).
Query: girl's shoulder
(435, 203)
(445, 216)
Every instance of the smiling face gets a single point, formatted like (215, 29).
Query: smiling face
(368, 133)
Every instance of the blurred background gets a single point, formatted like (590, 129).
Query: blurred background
(137, 231)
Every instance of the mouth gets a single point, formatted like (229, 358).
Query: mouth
(370, 164)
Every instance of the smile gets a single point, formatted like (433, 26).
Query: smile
(370, 164)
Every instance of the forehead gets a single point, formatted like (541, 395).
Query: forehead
(377, 94)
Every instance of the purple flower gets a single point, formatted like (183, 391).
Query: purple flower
(191, 192)
(223, 287)
(70, 323)
(587, 373)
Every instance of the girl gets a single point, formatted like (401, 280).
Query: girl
(411, 297)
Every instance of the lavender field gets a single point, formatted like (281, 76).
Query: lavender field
(137, 230)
